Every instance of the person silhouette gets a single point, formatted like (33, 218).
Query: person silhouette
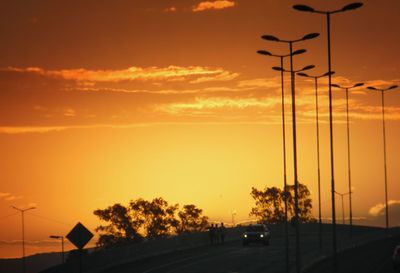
(222, 233)
(211, 234)
(217, 234)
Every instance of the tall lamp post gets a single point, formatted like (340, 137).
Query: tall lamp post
(342, 195)
(233, 212)
(384, 148)
(62, 245)
(318, 158)
(281, 57)
(347, 88)
(328, 24)
(296, 200)
(23, 234)
(296, 203)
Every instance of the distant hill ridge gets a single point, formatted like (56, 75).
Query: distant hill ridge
(34, 263)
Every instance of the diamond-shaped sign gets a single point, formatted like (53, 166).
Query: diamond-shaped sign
(79, 236)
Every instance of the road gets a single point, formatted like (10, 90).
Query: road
(385, 267)
(231, 257)
(372, 257)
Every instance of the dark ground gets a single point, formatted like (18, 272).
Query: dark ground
(374, 257)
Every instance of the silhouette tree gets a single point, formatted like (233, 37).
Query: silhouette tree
(269, 204)
(192, 220)
(122, 227)
(157, 217)
(305, 202)
(147, 219)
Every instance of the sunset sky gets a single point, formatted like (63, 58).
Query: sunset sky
(106, 101)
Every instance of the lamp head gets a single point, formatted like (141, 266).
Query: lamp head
(299, 51)
(270, 38)
(310, 36)
(264, 52)
(358, 84)
(335, 85)
(303, 8)
(277, 68)
(352, 6)
(328, 73)
(392, 87)
(372, 88)
(308, 67)
(302, 74)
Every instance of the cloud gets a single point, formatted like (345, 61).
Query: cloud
(69, 112)
(377, 214)
(47, 129)
(12, 198)
(170, 9)
(216, 5)
(223, 76)
(170, 73)
(30, 129)
(379, 209)
(261, 82)
(219, 103)
(6, 196)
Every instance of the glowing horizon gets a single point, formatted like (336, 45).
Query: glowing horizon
(130, 100)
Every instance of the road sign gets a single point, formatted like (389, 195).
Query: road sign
(79, 236)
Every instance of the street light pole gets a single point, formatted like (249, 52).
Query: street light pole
(347, 88)
(281, 57)
(23, 234)
(62, 245)
(342, 195)
(318, 157)
(296, 204)
(328, 25)
(296, 196)
(384, 149)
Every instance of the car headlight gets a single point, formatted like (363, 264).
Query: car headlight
(261, 235)
(245, 235)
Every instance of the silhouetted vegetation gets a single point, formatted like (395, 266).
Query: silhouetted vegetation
(143, 219)
(270, 205)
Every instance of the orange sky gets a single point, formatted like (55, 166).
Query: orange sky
(108, 101)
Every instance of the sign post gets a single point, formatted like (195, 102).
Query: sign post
(79, 236)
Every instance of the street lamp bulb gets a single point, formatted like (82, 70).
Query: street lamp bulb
(264, 52)
(352, 6)
(308, 67)
(299, 51)
(270, 38)
(303, 8)
(329, 73)
(277, 68)
(310, 36)
(358, 84)
(302, 74)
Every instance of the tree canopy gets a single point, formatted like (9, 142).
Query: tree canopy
(270, 204)
(147, 219)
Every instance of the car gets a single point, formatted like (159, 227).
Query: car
(256, 233)
(396, 258)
